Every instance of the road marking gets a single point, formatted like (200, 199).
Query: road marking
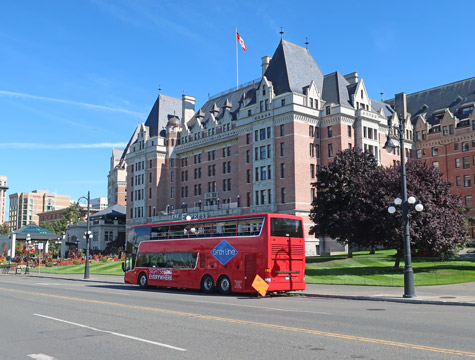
(255, 323)
(111, 332)
(41, 357)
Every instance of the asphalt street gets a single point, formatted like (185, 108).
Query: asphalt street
(49, 317)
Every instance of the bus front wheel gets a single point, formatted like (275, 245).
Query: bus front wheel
(207, 285)
(143, 283)
(224, 285)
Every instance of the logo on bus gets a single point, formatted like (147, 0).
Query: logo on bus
(223, 252)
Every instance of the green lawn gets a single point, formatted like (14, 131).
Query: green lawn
(362, 269)
(109, 268)
(378, 269)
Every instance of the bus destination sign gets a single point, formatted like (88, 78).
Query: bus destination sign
(223, 252)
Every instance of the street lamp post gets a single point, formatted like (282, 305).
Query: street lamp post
(28, 242)
(87, 235)
(405, 204)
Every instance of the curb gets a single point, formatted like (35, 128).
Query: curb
(390, 299)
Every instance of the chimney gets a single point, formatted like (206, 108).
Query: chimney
(188, 108)
(265, 63)
(352, 78)
(400, 103)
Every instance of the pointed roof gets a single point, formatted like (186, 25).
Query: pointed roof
(114, 210)
(336, 89)
(292, 68)
(158, 117)
(36, 233)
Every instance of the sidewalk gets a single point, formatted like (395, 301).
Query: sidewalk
(455, 294)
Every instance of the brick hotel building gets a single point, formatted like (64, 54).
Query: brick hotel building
(254, 149)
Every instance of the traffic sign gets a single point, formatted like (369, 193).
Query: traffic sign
(260, 285)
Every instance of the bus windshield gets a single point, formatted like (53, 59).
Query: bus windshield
(286, 227)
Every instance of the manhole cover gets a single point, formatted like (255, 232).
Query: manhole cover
(376, 309)
(447, 297)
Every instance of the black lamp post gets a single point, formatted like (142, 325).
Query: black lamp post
(28, 242)
(405, 204)
(87, 235)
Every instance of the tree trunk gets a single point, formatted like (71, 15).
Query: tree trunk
(399, 255)
(350, 250)
(372, 249)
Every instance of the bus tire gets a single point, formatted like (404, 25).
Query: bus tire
(207, 284)
(224, 285)
(142, 281)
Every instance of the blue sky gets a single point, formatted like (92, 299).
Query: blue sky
(76, 77)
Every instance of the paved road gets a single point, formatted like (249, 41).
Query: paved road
(56, 318)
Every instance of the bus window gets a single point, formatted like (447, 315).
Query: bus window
(224, 228)
(250, 226)
(178, 231)
(286, 227)
(159, 232)
(172, 260)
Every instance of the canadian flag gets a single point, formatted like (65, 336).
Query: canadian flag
(241, 41)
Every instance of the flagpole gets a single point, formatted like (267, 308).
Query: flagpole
(237, 63)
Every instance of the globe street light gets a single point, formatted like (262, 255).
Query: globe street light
(405, 204)
(28, 242)
(87, 235)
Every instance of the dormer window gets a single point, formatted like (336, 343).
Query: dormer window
(362, 94)
(263, 91)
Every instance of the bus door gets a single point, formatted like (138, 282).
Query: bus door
(250, 270)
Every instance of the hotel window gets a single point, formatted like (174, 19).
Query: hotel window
(248, 176)
(269, 173)
(349, 130)
(263, 173)
(423, 134)
(330, 150)
(467, 181)
(263, 197)
(327, 110)
(468, 202)
(465, 146)
(444, 130)
(282, 170)
(317, 151)
(312, 171)
(257, 197)
(282, 102)
(435, 151)
(311, 102)
(317, 132)
(172, 176)
(466, 162)
(282, 149)
(248, 156)
(248, 138)
(282, 195)
(312, 194)
(269, 196)
(261, 106)
(263, 152)
(418, 154)
(311, 130)
(456, 146)
(457, 181)
(418, 135)
(249, 112)
(435, 164)
(312, 150)
(457, 163)
(256, 174)
(256, 153)
(282, 130)
(451, 129)
(267, 104)
(268, 132)
(248, 199)
(365, 132)
(172, 192)
(330, 131)
(263, 134)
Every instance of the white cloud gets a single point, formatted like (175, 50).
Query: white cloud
(61, 146)
(70, 102)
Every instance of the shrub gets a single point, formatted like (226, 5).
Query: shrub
(77, 261)
(103, 259)
(49, 264)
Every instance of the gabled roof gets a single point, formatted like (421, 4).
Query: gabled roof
(453, 96)
(292, 68)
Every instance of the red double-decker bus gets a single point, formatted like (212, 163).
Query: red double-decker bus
(223, 254)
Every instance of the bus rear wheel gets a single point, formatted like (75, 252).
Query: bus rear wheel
(143, 283)
(207, 284)
(224, 285)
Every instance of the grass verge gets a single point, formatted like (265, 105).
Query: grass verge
(378, 270)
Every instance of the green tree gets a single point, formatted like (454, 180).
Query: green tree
(339, 195)
(4, 229)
